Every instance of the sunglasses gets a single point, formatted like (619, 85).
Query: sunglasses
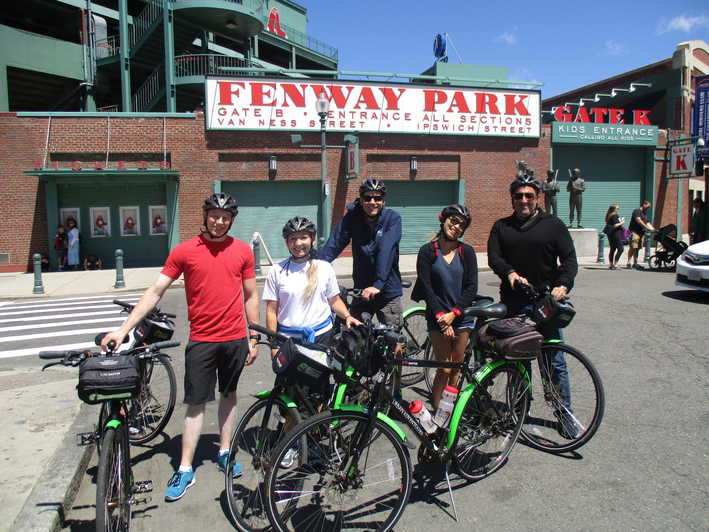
(367, 199)
(524, 195)
(456, 223)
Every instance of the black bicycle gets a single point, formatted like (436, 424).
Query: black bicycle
(150, 410)
(564, 413)
(115, 486)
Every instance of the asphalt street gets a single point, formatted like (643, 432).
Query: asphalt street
(644, 470)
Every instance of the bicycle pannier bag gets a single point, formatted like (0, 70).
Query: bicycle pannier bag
(512, 338)
(553, 313)
(306, 366)
(102, 378)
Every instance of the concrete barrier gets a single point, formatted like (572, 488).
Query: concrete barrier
(585, 242)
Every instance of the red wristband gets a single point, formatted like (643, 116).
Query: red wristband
(457, 312)
(440, 314)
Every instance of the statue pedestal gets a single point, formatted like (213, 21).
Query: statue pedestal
(585, 242)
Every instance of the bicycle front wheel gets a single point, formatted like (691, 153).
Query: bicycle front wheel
(151, 410)
(567, 400)
(113, 485)
(350, 479)
(416, 334)
(255, 437)
(491, 422)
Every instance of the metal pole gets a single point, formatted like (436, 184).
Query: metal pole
(324, 182)
(601, 246)
(38, 288)
(257, 253)
(120, 281)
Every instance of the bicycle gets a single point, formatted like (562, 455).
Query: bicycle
(355, 470)
(115, 486)
(414, 330)
(561, 420)
(262, 426)
(150, 410)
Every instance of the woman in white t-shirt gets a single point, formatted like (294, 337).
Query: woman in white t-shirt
(301, 292)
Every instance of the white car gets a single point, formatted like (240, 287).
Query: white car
(693, 267)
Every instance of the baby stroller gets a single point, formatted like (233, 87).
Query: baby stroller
(668, 250)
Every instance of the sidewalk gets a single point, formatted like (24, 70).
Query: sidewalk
(70, 283)
(46, 437)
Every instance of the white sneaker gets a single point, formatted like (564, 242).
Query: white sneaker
(290, 458)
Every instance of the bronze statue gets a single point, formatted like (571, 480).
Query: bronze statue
(551, 188)
(521, 168)
(575, 187)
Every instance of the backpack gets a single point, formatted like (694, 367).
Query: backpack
(625, 236)
(511, 338)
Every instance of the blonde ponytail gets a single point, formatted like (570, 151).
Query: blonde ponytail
(312, 280)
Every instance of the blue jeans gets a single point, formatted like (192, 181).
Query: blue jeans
(559, 371)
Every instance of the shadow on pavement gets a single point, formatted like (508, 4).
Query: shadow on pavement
(690, 296)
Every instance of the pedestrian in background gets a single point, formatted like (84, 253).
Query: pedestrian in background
(614, 230)
(698, 221)
(73, 244)
(638, 225)
(60, 246)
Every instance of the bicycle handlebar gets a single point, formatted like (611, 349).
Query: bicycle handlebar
(156, 311)
(282, 338)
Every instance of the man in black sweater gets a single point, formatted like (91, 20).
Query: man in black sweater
(536, 248)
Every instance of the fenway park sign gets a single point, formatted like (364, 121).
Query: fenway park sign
(277, 105)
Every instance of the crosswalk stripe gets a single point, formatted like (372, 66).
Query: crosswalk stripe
(34, 350)
(24, 312)
(35, 326)
(69, 304)
(110, 297)
(75, 332)
(49, 317)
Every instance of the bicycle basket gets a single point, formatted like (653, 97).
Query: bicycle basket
(353, 346)
(511, 338)
(306, 366)
(552, 313)
(102, 378)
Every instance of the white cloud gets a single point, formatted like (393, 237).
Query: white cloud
(508, 37)
(682, 23)
(614, 48)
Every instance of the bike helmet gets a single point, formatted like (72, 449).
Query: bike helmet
(221, 201)
(373, 185)
(525, 180)
(455, 210)
(297, 224)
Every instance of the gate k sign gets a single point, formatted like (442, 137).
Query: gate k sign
(682, 159)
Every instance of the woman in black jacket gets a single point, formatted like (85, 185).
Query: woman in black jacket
(447, 279)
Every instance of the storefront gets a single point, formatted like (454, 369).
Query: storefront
(616, 162)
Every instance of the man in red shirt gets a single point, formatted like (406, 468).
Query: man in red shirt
(218, 270)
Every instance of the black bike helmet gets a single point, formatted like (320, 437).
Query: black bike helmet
(297, 224)
(525, 181)
(455, 210)
(221, 201)
(373, 185)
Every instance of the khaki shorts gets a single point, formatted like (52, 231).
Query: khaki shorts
(636, 241)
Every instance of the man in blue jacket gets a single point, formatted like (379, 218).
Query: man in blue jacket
(375, 232)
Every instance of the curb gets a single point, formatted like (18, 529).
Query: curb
(46, 507)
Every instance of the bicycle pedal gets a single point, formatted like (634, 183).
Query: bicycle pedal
(143, 486)
(85, 438)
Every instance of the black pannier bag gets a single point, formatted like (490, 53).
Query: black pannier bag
(102, 378)
(511, 338)
(353, 347)
(304, 365)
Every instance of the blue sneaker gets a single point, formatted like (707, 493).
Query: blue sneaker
(178, 484)
(236, 469)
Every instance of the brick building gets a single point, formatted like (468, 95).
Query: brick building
(150, 154)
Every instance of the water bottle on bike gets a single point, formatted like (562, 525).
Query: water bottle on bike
(445, 406)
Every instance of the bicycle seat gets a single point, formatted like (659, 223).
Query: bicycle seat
(484, 307)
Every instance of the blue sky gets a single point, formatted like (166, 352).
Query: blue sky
(564, 45)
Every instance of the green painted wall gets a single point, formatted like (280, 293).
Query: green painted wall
(613, 175)
(141, 250)
(22, 49)
(458, 70)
